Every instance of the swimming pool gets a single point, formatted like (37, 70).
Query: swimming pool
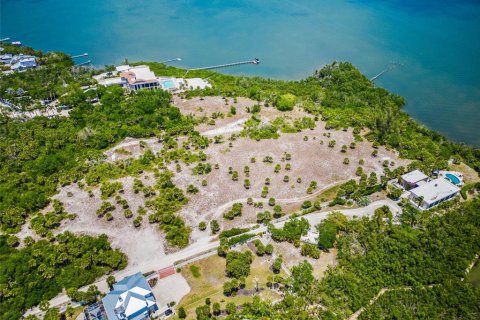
(453, 178)
(168, 84)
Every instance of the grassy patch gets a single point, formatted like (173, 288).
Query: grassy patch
(328, 194)
(76, 312)
(195, 271)
(469, 175)
(474, 275)
(210, 279)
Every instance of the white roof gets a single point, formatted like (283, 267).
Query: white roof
(111, 81)
(435, 190)
(414, 176)
(122, 68)
(140, 291)
(134, 305)
(143, 73)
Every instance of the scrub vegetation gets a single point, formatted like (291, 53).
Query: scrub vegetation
(420, 257)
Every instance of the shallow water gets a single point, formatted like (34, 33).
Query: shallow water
(437, 42)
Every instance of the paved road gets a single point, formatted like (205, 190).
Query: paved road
(210, 242)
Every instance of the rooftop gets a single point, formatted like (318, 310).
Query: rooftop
(414, 176)
(131, 297)
(435, 190)
(138, 74)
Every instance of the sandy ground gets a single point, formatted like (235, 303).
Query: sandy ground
(172, 288)
(311, 161)
(291, 257)
(130, 148)
(137, 243)
(210, 105)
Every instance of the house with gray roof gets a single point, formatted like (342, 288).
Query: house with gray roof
(433, 193)
(24, 63)
(130, 299)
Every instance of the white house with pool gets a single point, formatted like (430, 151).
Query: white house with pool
(433, 193)
(130, 78)
(454, 177)
(141, 77)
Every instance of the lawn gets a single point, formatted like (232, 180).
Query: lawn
(206, 278)
(328, 194)
(75, 313)
(469, 175)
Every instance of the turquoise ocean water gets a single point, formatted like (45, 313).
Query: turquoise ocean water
(437, 42)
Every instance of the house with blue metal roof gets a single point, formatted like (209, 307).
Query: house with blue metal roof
(24, 63)
(130, 299)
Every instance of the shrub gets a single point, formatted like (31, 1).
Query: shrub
(277, 265)
(271, 202)
(285, 102)
(264, 217)
(192, 189)
(195, 271)
(307, 204)
(238, 264)
(214, 226)
(269, 249)
(277, 211)
(291, 231)
(104, 208)
(128, 213)
(310, 250)
(137, 221)
(182, 314)
(232, 232)
(235, 211)
(327, 234)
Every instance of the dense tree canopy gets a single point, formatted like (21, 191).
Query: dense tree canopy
(39, 271)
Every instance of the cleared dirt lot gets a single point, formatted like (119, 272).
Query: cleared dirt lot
(311, 160)
(291, 257)
(138, 244)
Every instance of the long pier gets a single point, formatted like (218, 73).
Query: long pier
(80, 55)
(254, 61)
(84, 63)
(4, 39)
(391, 66)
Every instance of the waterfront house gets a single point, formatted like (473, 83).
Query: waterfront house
(130, 78)
(413, 179)
(23, 63)
(130, 299)
(139, 77)
(433, 193)
(6, 58)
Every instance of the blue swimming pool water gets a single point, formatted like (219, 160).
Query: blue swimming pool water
(453, 178)
(168, 84)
